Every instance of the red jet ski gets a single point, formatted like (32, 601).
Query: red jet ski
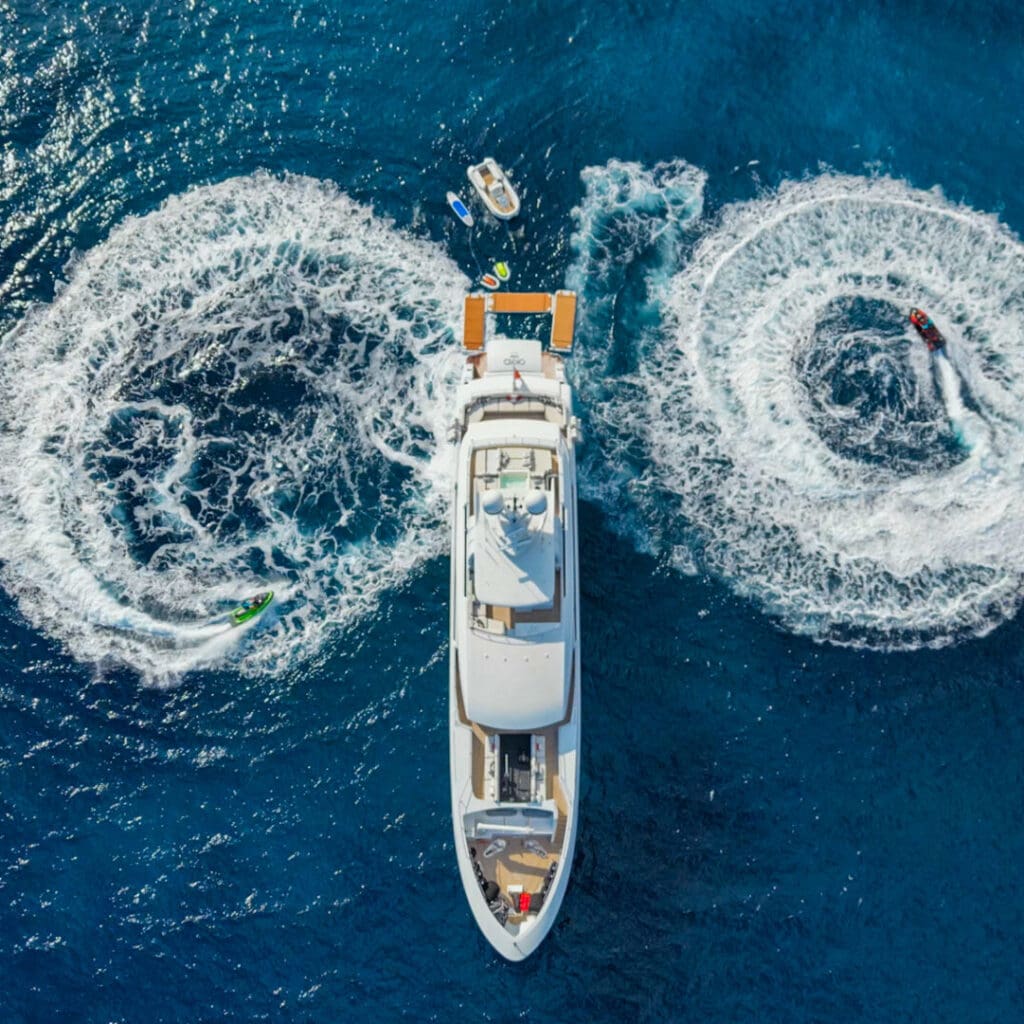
(926, 328)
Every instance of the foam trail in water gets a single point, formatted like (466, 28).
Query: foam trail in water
(968, 428)
(630, 226)
(796, 434)
(243, 389)
(764, 410)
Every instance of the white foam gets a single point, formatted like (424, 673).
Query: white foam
(245, 388)
(970, 429)
(629, 226)
(749, 453)
(625, 199)
(628, 212)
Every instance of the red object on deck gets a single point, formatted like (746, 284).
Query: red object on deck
(524, 902)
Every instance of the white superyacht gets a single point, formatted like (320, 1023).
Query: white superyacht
(515, 654)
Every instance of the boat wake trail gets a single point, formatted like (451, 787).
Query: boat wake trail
(631, 226)
(797, 439)
(246, 387)
(969, 429)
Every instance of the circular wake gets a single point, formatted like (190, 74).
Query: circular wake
(813, 452)
(242, 390)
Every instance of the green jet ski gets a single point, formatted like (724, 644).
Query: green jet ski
(252, 608)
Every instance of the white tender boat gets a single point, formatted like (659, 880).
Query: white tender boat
(514, 713)
(494, 188)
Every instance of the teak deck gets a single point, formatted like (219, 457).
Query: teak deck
(520, 302)
(473, 329)
(562, 306)
(563, 323)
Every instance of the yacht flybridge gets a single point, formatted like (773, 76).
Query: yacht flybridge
(515, 657)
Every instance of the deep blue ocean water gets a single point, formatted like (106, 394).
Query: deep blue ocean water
(802, 662)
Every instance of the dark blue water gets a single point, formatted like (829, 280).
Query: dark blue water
(774, 827)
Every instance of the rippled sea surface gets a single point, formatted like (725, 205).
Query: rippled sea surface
(229, 288)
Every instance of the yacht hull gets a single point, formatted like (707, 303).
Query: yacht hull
(514, 680)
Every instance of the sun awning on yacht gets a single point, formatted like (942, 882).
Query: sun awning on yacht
(514, 685)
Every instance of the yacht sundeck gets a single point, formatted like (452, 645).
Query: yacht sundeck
(515, 657)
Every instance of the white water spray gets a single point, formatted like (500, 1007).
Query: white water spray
(245, 389)
(800, 441)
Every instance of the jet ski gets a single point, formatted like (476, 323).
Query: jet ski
(925, 327)
(253, 607)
